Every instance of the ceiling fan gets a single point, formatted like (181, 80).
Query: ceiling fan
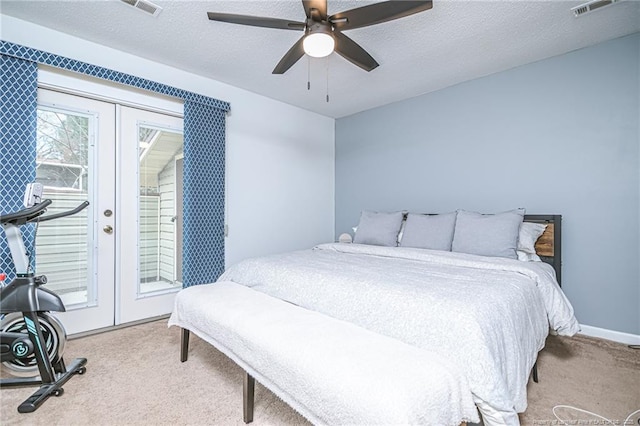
(323, 34)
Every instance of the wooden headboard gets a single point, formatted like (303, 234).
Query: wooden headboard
(549, 245)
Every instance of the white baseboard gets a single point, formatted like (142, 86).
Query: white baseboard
(616, 336)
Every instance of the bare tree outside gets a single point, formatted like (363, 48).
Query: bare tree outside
(62, 150)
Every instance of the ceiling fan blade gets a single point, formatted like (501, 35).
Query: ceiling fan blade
(290, 58)
(319, 5)
(377, 13)
(351, 51)
(256, 21)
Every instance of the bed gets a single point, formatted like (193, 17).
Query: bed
(488, 315)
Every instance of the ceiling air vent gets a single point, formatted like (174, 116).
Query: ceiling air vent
(145, 6)
(587, 7)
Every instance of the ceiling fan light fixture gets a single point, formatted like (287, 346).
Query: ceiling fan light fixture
(324, 33)
(318, 44)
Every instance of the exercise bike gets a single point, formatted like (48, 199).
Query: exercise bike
(31, 340)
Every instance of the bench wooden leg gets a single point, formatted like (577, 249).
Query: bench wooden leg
(184, 347)
(248, 387)
(535, 372)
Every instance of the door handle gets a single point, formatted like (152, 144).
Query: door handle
(108, 229)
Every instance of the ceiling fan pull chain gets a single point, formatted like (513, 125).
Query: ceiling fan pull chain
(308, 72)
(328, 78)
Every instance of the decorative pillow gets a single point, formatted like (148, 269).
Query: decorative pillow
(379, 229)
(529, 234)
(488, 234)
(429, 231)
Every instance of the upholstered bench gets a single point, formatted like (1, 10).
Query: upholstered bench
(330, 371)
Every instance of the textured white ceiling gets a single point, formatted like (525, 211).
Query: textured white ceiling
(451, 43)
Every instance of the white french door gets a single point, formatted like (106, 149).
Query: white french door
(149, 214)
(75, 162)
(118, 260)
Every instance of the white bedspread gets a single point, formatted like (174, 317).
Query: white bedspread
(490, 316)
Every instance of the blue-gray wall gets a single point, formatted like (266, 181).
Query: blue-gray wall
(557, 136)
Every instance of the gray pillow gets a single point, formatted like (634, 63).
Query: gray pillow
(488, 234)
(433, 232)
(380, 229)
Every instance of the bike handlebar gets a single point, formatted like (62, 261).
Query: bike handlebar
(32, 213)
(25, 215)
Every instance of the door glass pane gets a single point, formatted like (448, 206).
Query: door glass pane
(159, 209)
(62, 166)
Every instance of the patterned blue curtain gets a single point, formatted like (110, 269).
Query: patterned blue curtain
(204, 141)
(203, 194)
(18, 92)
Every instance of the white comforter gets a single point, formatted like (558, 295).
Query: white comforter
(490, 316)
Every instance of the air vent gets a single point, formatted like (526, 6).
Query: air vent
(145, 6)
(589, 7)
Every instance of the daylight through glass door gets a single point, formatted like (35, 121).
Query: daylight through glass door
(160, 209)
(63, 246)
(75, 162)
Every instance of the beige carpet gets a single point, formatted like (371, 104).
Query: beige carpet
(134, 376)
